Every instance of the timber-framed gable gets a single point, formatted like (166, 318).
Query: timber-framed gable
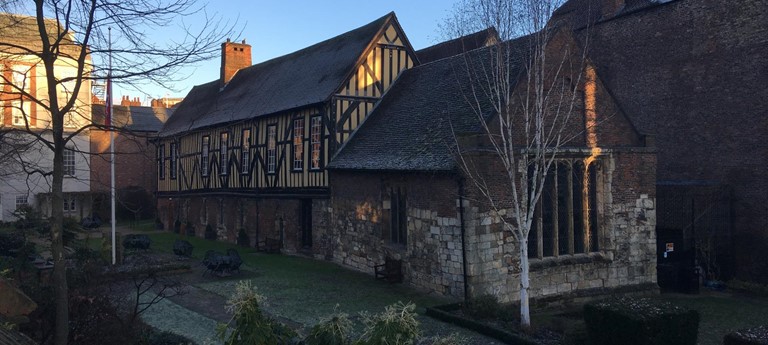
(288, 149)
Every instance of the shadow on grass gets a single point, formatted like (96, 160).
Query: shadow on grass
(300, 289)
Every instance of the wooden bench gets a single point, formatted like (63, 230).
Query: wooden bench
(391, 271)
(269, 245)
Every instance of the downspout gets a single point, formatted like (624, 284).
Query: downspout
(463, 236)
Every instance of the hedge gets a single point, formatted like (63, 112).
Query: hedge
(640, 321)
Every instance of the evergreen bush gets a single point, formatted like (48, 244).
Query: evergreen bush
(639, 321)
(249, 325)
(334, 330)
(397, 325)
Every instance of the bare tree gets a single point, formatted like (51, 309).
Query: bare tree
(55, 49)
(529, 82)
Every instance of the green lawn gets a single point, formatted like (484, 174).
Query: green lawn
(722, 313)
(301, 289)
(304, 290)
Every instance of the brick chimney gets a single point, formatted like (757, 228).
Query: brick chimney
(127, 101)
(611, 7)
(234, 56)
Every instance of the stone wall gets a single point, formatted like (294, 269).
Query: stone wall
(358, 231)
(433, 259)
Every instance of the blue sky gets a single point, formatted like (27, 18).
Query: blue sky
(275, 28)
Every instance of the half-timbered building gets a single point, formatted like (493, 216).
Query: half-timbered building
(342, 151)
(249, 151)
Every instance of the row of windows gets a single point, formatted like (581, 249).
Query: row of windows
(21, 79)
(69, 203)
(316, 128)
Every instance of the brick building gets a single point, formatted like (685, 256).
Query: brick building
(26, 162)
(397, 191)
(693, 73)
(135, 162)
(339, 151)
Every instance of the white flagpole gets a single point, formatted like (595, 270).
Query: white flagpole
(111, 148)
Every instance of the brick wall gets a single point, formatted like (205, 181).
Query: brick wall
(692, 72)
(261, 218)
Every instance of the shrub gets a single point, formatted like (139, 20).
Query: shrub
(640, 321)
(177, 226)
(242, 238)
(397, 325)
(752, 336)
(10, 242)
(249, 325)
(334, 330)
(210, 234)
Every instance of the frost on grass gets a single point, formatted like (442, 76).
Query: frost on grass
(168, 316)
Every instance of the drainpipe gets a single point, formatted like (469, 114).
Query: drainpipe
(463, 236)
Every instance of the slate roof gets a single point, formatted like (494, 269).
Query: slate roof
(21, 30)
(412, 127)
(588, 12)
(457, 46)
(137, 119)
(305, 77)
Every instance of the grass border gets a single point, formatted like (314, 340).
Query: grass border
(442, 313)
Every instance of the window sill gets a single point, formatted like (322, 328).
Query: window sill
(563, 260)
(396, 247)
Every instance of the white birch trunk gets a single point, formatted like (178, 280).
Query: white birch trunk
(525, 309)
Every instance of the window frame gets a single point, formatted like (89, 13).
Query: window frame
(25, 202)
(245, 151)
(205, 154)
(173, 157)
(69, 166)
(161, 161)
(224, 153)
(297, 163)
(316, 143)
(25, 71)
(567, 235)
(271, 142)
(398, 219)
(70, 204)
(23, 110)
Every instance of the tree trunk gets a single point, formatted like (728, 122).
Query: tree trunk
(57, 241)
(525, 309)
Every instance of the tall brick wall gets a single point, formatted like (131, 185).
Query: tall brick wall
(693, 73)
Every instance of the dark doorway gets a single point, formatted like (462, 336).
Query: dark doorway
(676, 268)
(692, 234)
(306, 223)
